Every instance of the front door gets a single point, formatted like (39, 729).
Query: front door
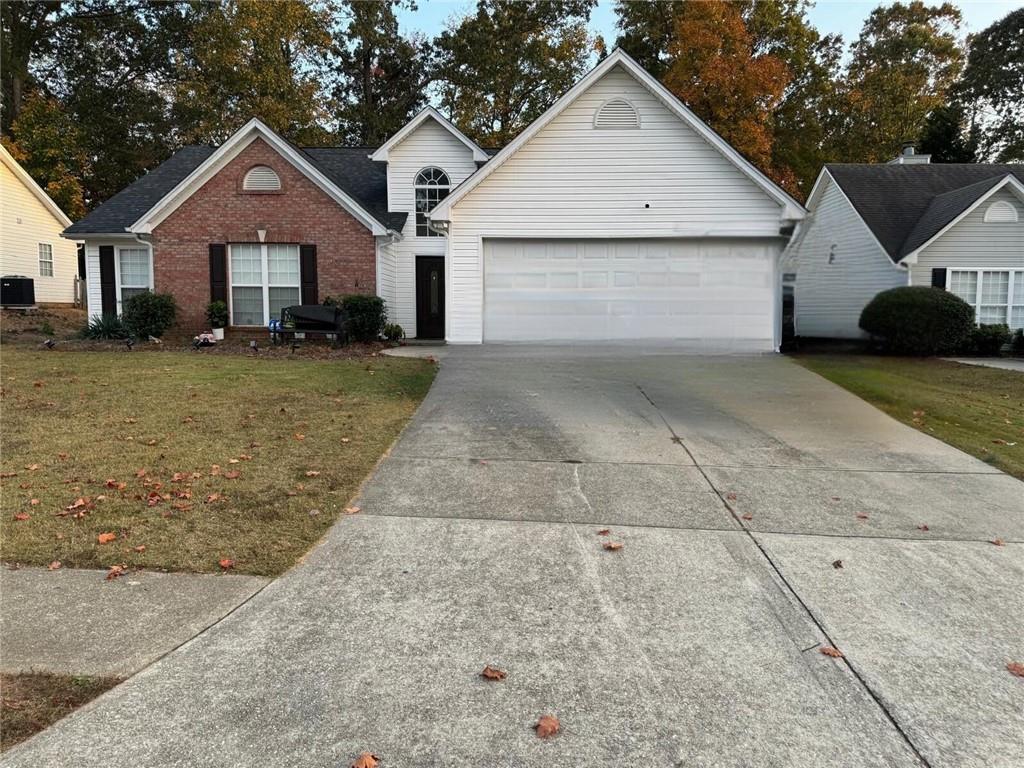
(430, 297)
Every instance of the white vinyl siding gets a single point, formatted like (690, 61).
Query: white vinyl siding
(45, 260)
(574, 181)
(829, 297)
(973, 243)
(25, 223)
(430, 145)
(996, 295)
(264, 279)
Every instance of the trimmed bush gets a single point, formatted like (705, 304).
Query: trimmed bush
(105, 327)
(149, 314)
(918, 320)
(393, 332)
(987, 340)
(217, 314)
(1017, 343)
(366, 315)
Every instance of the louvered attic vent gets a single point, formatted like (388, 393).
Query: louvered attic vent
(616, 113)
(262, 178)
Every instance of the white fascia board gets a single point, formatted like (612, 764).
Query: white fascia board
(22, 175)
(228, 151)
(792, 210)
(1008, 181)
(91, 236)
(382, 153)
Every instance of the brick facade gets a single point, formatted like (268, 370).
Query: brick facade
(219, 212)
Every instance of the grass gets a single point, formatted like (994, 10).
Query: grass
(31, 702)
(147, 445)
(978, 410)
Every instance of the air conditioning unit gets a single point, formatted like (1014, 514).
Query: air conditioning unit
(17, 291)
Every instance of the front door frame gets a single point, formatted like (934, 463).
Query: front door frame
(428, 326)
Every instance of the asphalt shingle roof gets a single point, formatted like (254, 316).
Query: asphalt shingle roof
(906, 205)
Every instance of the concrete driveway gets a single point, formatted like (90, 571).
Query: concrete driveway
(733, 483)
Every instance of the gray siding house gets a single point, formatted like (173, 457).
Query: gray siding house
(872, 227)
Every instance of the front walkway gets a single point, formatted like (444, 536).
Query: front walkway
(764, 514)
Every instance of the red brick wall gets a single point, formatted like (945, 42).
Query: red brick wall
(219, 212)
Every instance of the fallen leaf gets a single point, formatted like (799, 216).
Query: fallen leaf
(140, 473)
(730, 496)
(212, 498)
(112, 483)
(244, 457)
(141, 548)
(177, 477)
(548, 725)
(312, 473)
(62, 456)
(997, 542)
(33, 502)
(234, 474)
(604, 532)
(1015, 668)
(351, 510)
(31, 467)
(747, 516)
(78, 503)
(299, 436)
(837, 564)
(862, 516)
(130, 421)
(37, 384)
(366, 760)
(232, 461)
(493, 673)
(345, 440)
(613, 546)
(114, 572)
(227, 563)
(215, 469)
(828, 650)
(106, 538)
(22, 516)
(922, 527)
(151, 442)
(54, 565)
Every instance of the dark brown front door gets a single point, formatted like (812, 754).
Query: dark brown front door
(430, 297)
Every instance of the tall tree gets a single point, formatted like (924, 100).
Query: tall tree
(992, 89)
(646, 31)
(501, 67)
(254, 59)
(715, 71)
(901, 68)
(382, 76)
(946, 136)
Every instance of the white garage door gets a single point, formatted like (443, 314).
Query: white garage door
(718, 294)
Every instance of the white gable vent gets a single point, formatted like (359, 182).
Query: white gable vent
(262, 178)
(617, 113)
(1001, 212)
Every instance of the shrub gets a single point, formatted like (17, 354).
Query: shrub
(217, 314)
(986, 340)
(366, 316)
(393, 332)
(149, 314)
(1017, 343)
(105, 327)
(918, 320)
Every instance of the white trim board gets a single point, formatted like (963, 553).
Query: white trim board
(382, 153)
(230, 149)
(792, 210)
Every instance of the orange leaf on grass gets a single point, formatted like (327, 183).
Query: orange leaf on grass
(546, 726)
(212, 498)
(33, 502)
(140, 548)
(227, 563)
(233, 474)
(106, 538)
(22, 516)
(312, 473)
(54, 565)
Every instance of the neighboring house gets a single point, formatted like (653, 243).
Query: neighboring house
(30, 236)
(615, 215)
(873, 227)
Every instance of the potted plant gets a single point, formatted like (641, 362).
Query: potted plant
(217, 314)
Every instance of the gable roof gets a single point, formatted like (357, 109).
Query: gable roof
(23, 176)
(906, 206)
(619, 58)
(428, 113)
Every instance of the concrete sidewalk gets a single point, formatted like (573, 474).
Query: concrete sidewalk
(73, 621)
(1006, 363)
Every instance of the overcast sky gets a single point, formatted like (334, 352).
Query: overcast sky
(830, 16)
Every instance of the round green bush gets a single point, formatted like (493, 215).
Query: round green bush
(149, 314)
(918, 320)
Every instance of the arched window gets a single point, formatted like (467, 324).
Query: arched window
(616, 113)
(432, 186)
(1001, 212)
(261, 178)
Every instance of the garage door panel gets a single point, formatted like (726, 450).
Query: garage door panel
(537, 290)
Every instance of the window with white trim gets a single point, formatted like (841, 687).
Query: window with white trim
(265, 278)
(135, 274)
(45, 260)
(261, 178)
(432, 186)
(996, 295)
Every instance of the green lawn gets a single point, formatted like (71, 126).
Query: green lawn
(189, 459)
(978, 410)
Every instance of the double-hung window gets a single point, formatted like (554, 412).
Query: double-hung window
(264, 280)
(996, 295)
(135, 274)
(45, 260)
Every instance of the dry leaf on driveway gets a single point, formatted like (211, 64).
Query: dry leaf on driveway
(612, 546)
(604, 532)
(351, 510)
(493, 673)
(114, 572)
(1015, 668)
(997, 542)
(828, 650)
(54, 565)
(547, 725)
(366, 760)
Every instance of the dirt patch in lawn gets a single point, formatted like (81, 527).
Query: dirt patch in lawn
(978, 410)
(31, 702)
(182, 461)
(40, 324)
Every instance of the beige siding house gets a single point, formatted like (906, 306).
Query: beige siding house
(30, 236)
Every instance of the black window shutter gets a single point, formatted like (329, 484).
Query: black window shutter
(307, 270)
(218, 272)
(108, 288)
(939, 278)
